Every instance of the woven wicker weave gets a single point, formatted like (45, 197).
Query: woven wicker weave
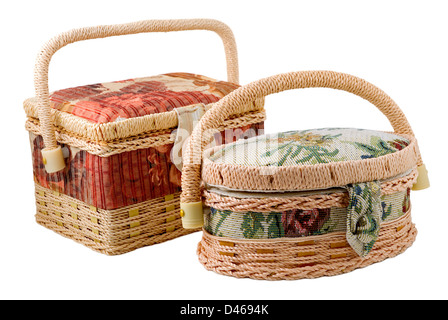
(85, 201)
(110, 232)
(291, 259)
(246, 194)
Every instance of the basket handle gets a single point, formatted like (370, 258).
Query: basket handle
(52, 154)
(191, 204)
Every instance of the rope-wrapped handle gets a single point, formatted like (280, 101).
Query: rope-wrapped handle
(52, 152)
(191, 204)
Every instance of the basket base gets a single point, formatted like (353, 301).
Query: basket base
(299, 258)
(107, 249)
(111, 232)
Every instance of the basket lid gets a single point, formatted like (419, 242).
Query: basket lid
(125, 109)
(119, 100)
(309, 159)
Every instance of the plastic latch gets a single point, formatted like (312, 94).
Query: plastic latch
(53, 159)
(422, 179)
(192, 215)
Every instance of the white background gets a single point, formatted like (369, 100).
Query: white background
(400, 46)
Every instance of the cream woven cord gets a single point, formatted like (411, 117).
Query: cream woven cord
(281, 204)
(302, 257)
(191, 178)
(75, 35)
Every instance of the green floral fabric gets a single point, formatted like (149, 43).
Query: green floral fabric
(296, 223)
(363, 216)
(310, 147)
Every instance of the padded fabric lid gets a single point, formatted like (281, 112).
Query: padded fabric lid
(115, 101)
(123, 110)
(309, 159)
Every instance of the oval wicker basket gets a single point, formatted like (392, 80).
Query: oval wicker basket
(302, 204)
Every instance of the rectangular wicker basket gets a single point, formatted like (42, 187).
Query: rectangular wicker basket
(307, 203)
(103, 153)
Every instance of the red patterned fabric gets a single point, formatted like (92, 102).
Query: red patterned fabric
(113, 101)
(131, 177)
(122, 179)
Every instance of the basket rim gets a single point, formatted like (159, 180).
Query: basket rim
(122, 130)
(104, 148)
(241, 202)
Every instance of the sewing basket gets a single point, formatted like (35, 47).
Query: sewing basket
(306, 203)
(107, 156)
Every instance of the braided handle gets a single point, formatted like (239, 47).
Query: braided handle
(191, 204)
(75, 35)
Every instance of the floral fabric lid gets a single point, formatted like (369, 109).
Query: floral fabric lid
(309, 159)
(117, 111)
(310, 147)
(119, 100)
